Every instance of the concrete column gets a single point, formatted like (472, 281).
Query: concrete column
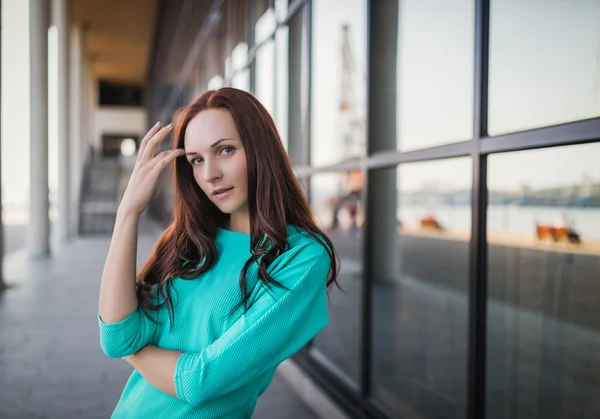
(384, 243)
(1, 203)
(84, 82)
(384, 246)
(297, 85)
(60, 19)
(38, 239)
(95, 142)
(75, 138)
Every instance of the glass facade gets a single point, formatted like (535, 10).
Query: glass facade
(338, 64)
(543, 56)
(435, 72)
(422, 220)
(450, 151)
(544, 262)
(339, 208)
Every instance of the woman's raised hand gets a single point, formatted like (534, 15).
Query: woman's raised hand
(144, 177)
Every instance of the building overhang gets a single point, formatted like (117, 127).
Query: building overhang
(119, 36)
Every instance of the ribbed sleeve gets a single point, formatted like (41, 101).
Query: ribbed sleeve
(127, 336)
(279, 323)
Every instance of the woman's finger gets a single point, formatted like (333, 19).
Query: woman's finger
(147, 138)
(152, 144)
(159, 157)
(165, 158)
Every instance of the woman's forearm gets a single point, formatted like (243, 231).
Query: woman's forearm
(157, 366)
(117, 290)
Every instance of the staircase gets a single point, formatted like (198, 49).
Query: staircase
(100, 196)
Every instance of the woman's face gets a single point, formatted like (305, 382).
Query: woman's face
(214, 149)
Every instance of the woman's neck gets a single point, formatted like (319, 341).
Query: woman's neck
(240, 222)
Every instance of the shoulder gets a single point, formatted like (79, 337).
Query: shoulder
(304, 253)
(300, 239)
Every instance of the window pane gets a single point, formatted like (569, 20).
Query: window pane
(281, 9)
(435, 72)
(422, 225)
(214, 56)
(543, 339)
(260, 7)
(241, 75)
(336, 200)
(339, 65)
(282, 83)
(544, 66)
(265, 61)
(298, 65)
(240, 29)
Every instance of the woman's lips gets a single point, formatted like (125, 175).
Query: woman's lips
(223, 193)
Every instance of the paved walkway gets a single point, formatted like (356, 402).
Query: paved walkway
(51, 364)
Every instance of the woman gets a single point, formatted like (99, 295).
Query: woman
(236, 284)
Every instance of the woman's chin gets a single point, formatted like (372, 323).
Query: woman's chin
(230, 205)
(226, 208)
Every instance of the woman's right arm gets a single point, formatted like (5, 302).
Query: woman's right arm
(121, 323)
(117, 290)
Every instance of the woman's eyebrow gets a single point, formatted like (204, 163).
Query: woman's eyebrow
(216, 143)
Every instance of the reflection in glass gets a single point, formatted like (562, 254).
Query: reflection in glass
(216, 82)
(260, 7)
(338, 95)
(214, 57)
(422, 224)
(265, 60)
(298, 66)
(281, 9)
(544, 66)
(543, 339)
(435, 72)
(282, 82)
(337, 203)
(240, 75)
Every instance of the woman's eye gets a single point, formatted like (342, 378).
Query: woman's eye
(196, 160)
(227, 150)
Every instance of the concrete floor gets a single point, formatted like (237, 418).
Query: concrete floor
(51, 364)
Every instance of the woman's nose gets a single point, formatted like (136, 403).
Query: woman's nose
(211, 172)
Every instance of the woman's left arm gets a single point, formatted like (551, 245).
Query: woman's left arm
(279, 323)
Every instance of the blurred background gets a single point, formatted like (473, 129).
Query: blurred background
(451, 150)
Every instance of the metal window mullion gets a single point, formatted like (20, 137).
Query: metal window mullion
(293, 8)
(477, 301)
(564, 134)
(306, 74)
(250, 38)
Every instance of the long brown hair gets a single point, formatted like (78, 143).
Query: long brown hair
(186, 248)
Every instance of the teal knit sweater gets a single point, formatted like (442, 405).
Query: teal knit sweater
(227, 362)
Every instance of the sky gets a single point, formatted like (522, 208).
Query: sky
(544, 70)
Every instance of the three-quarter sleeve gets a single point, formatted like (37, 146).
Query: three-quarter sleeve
(277, 325)
(127, 336)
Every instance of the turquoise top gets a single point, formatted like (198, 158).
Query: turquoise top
(227, 362)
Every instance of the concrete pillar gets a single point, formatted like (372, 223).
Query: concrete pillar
(299, 69)
(95, 142)
(1, 221)
(83, 101)
(38, 239)
(75, 138)
(84, 82)
(384, 246)
(60, 19)
(384, 243)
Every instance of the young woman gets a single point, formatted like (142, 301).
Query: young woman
(236, 284)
